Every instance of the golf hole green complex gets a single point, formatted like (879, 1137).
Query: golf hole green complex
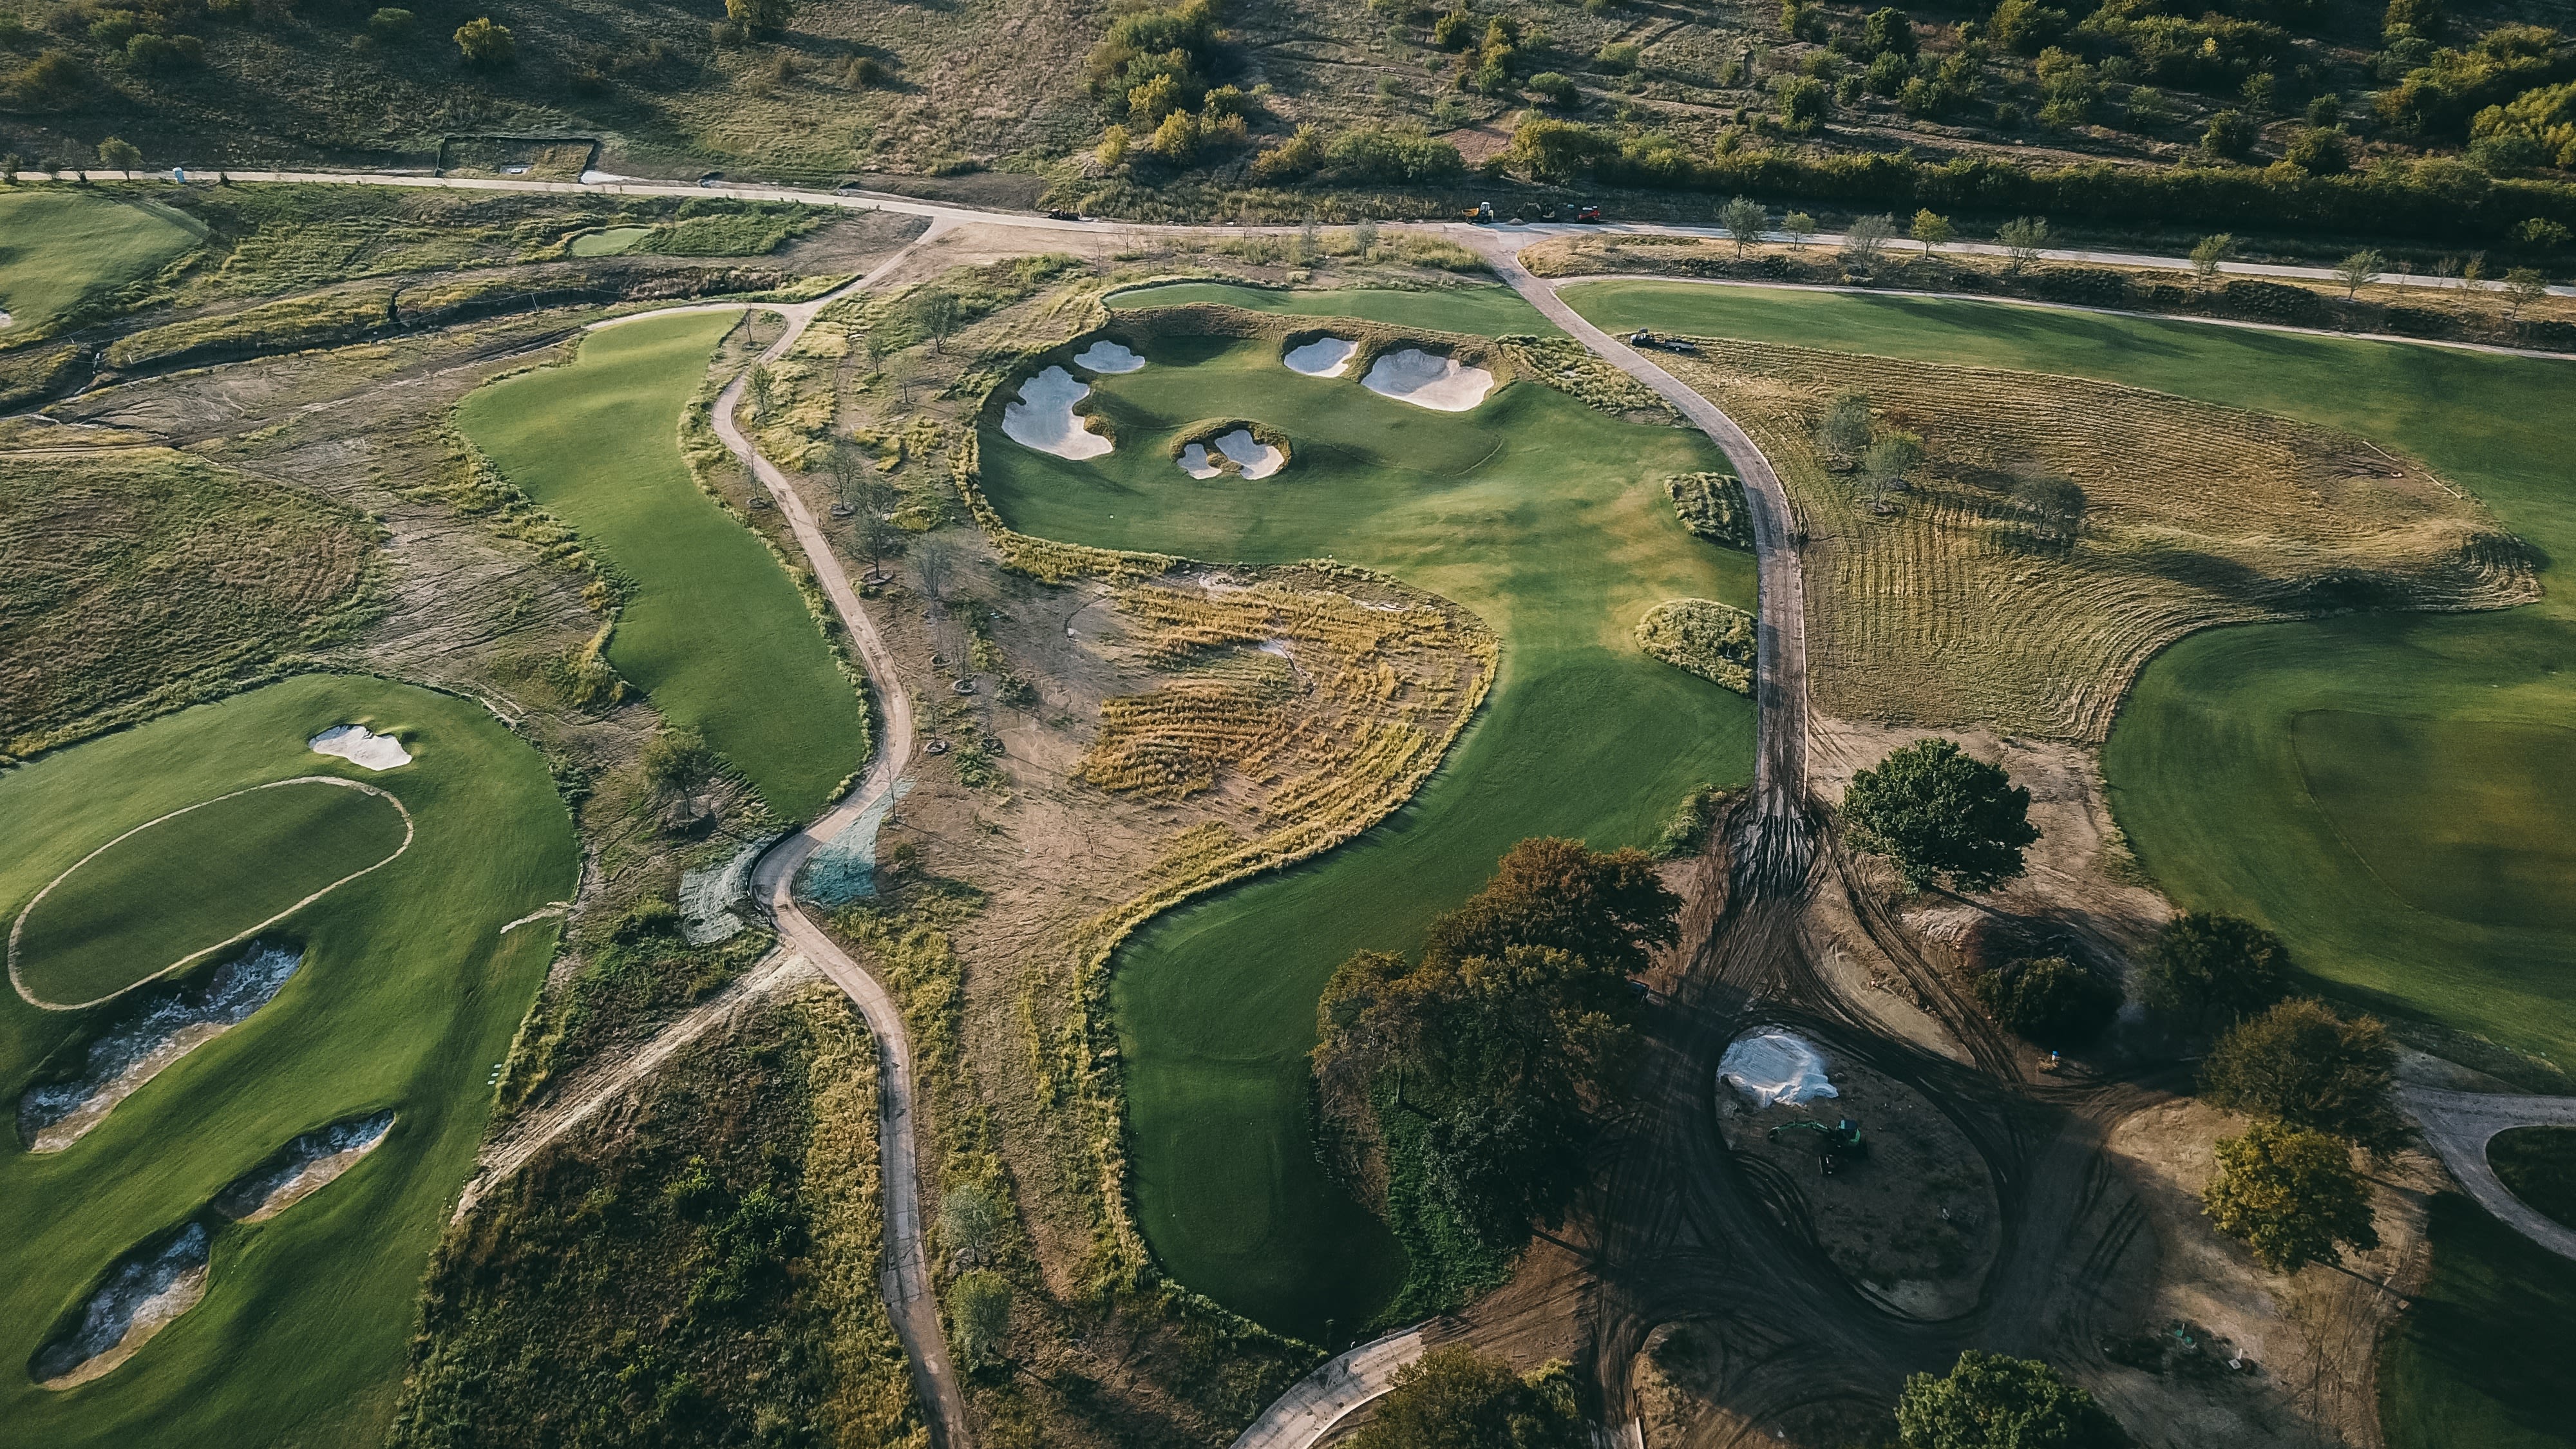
(201, 878)
(1548, 519)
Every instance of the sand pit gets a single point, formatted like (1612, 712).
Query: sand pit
(1044, 418)
(1428, 381)
(1107, 356)
(304, 1167)
(164, 1028)
(138, 1300)
(1772, 1067)
(1323, 357)
(360, 746)
(1251, 457)
(1196, 462)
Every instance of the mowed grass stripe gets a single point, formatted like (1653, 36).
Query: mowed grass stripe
(193, 880)
(408, 994)
(59, 245)
(1550, 521)
(2205, 776)
(713, 629)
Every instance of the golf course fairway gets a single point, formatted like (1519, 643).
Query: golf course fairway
(407, 994)
(59, 246)
(2212, 774)
(1546, 518)
(711, 627)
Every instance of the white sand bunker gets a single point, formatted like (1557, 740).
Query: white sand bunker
(1044, 418)
(1323, 357)
(306, 1166)
(1771, 1067)
(360, 746)
(1427, 380)
(1255, 458)
(139, 1298)
(164, 1028)
(1107, 356)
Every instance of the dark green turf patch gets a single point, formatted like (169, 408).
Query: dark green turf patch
(2481, 1358)
(2538, 1165)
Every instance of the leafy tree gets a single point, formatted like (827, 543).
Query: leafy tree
(761, 17)
(979, 1316)
(1608, 907)
(2230, 136)
(2321, 151)
(2290, 1195)
(1941, 816)
(1177, 139)
(2051, 1001)
(2425, 18)
(969, 1220)
(118, 155)
(1863, 239)
(1846, 428)
(1801, 229)
(2522, 287)
(1888, 32)
(933, 310)
(1802, 102)
(2302, 1064)
(1456, 1398)
(2359, 270)
(485, 44)
(678, 759)
(2208, 253)
(2026, 25)
(1990, 1401)
(1932, 229)
(1892, 456)
(1745, 220)
(2023, 237)
(2207, 964)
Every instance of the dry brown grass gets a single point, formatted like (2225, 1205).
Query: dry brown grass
(1990, 594)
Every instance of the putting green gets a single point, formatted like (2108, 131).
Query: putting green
(609, 241)
(59, 245)
(2472, 820)
(191, 881)
(2205, 772)
(407, 995)
(711, 627)
(1550, 521)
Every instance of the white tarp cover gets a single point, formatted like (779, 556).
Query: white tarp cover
(1773, 1067)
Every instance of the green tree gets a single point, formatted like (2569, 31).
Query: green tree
(2359, 270)
(118, 155)
(761, 17)
(969, 1221)
(1932, 229)
(2302, 1064)
(2205, 964)
(1801, 229)
(2321, 151)
(1456, 1398)
(2290, 1195)
(2230, 136)
(2208, 254)
(2522, 287)
(1846, 427)
(1990, 1401)
(1941, 817)
(1608, 907)
(2023, 237)
(485, 44)
(979, 1316)
(933, 310)
(1802, 102)
(1745, 220)
(1863, 239)
(2051, 1001)
(678, 758)
(1888, 32)
(1177, 139)
(2026, 25)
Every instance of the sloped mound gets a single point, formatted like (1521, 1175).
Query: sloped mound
(1712, 640)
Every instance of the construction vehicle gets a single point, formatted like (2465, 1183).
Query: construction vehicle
(1588, 211)
(1842, 1140)
(1481, 211)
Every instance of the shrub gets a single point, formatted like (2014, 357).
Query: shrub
(979, 1316)
(1177, 139)
(1618, 55)
(1888, 32)
(393, 24)
(164, 52)
(2026, 25)
(118, 155)
(2302, 1064)
(51, 80)
(2321, 152)
(1989, 1401)
(2051, 1001)
(1887, 74)
(1554, 88)
(484, 44)
(1802, 103)
(1392, 154)
(1456, 1396)
(761, 17)
(2230, 136)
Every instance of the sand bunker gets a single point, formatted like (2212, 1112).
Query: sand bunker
(1196, 462)
(1770, 1067)
(1044, 418)
(360, 746)
(1428, 381)
(139, 1298)
(1251, 456)
(305, 1166)
(1107, 356)
(1323, 357)
(164, 1028)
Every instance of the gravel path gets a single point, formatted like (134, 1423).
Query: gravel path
(2459, 1124)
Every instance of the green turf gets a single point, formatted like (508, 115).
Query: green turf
(181, 886)
(2204, 773)
(2481, 1358)
(59, 245)
(1550, 521)
(1491, 311)
(2538, 1165)
(712, 628)
(407, 996)
(609, 241)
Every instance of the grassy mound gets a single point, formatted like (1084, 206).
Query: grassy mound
(407, 995)
(1710, 639)
(2538, 1165)
(184, 884)
(1545, 517)
(60, 247)
(711, 626)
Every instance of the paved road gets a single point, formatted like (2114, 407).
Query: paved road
(1315, 1403)
(1777, 845)
(2459, 1124)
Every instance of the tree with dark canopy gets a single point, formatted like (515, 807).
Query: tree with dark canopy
(2291, 1196)
(1991, 1401)
(2302, 1064)
(1456, 1398)
(1942, 817)
(2207, 965)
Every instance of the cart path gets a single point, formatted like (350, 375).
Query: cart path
(2459, 1125)
(1315, 1403)
(1777, 843)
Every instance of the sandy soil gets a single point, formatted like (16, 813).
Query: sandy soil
(1440, 383)
(309, 1163)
